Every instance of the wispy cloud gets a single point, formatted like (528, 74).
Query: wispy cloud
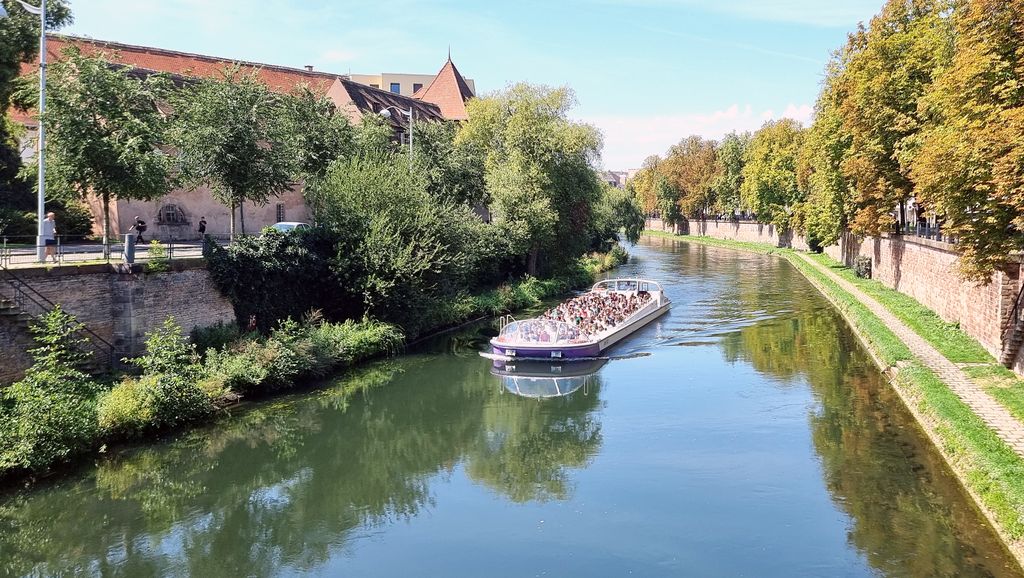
(807, 12)
(629, 139)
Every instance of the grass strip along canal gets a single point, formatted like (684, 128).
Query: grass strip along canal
(971, 414)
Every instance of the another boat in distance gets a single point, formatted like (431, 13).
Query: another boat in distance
(583, 326)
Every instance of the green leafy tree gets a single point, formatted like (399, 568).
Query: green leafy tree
(105, 130)
(233, 134)
(829, 198)
(321, 134)
(692, 168)
(769, 174)
(890, 65)
(969, 165)
(539, 170)
(668, 202)
(455, 172)
(731, 154)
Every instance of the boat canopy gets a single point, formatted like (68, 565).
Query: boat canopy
(626, 285)
(540, 332)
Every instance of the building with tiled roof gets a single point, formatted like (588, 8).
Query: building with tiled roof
(176, 215)
(449, 91)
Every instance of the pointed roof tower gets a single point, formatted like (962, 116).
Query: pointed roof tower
(449, 91)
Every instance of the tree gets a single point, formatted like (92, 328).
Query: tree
(692, 168)
(829, 198)
(20, 34)
(644, 182)
(320, 133)
(970, 163)
(539, 170)
(455, 171)
(105, 130)
(668, 201)
(769, 173)
(890, 65)
(731, 153)
(233, 134)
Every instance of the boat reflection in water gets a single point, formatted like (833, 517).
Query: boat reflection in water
(541, 379)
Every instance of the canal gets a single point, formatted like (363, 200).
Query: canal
(746, 433)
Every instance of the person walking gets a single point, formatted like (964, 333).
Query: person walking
(202, 226)
(50, 236)
(139, 227)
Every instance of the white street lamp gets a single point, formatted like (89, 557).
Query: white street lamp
(386, 113)
(41, 12)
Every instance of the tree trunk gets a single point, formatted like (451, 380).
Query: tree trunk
(531, 261)
(241, 215)
(903, 215)
(231, 226)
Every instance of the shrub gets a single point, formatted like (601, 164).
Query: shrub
(158, 261)
(50, 414)
(214, 336)
(166, 395)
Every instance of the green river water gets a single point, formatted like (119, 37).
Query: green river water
(746, 433)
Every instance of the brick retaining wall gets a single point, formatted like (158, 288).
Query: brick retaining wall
(119, 303)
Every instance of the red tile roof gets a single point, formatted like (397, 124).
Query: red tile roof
(183, 63)
(449, 91)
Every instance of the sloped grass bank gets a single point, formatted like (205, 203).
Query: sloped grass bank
(990, 471)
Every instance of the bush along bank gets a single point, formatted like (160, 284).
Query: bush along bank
(57, 412)
(990, 471)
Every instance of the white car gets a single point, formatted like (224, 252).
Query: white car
(289, 226)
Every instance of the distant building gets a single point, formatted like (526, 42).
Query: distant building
(616, 179)
(399, 83)
(177, 214)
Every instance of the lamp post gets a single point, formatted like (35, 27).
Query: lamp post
(41, 196)
(386, 113)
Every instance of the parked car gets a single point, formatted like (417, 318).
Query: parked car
(289, 226)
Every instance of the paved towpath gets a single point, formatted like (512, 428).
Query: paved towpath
(1009, 428)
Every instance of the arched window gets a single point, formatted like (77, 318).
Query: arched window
(171, 215)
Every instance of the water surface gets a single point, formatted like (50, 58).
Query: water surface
(746, 434)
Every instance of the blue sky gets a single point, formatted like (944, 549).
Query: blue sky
(646, 72)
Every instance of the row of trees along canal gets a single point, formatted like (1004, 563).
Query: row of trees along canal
(926, 102)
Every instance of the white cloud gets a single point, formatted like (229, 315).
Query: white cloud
(844, 14)
(629, 139)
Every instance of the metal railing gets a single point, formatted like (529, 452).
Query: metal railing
(33, 303)
(20, 251)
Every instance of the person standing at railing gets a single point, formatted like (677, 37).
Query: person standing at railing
(50, 236)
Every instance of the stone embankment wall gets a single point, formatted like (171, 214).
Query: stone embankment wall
(921, 268)
(119, 303)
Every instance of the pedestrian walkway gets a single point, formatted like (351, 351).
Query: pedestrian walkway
(997, 417)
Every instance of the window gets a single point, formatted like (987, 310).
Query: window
(416, 87)
(396, 88)
(280, 212)
(171, 215)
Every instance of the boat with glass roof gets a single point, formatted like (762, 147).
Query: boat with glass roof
(585, 325)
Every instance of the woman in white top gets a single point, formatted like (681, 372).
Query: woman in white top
(50, 236)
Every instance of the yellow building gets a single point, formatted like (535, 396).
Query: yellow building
(403, 84)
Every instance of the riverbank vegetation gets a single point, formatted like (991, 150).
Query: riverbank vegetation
(918, 122)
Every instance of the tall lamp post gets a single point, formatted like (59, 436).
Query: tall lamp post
(41, 196)
(386, 113)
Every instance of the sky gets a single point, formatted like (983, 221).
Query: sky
(647, 73)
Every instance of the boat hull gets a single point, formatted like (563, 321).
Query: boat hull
(579, 351)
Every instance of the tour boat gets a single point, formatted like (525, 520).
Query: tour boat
(542, 338)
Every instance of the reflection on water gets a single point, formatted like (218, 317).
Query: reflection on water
(540, 379)
(754, 437)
